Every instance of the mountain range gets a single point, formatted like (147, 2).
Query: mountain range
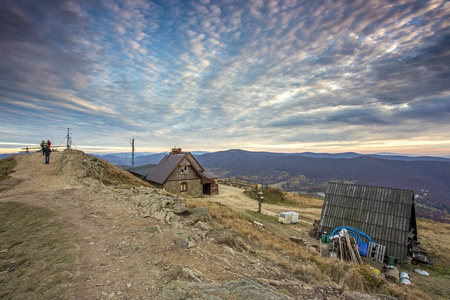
(308, 172)
(140, 158)
(428, 176)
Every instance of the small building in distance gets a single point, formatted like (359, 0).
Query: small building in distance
(142, 171)
(387, 215)
(180, 173)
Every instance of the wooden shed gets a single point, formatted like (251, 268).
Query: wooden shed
(387, 215)
(180, 173)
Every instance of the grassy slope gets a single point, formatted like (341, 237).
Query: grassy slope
(6, 166)
(306, 264)
(36, 260)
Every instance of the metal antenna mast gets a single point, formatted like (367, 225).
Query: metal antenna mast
(69, 139)
(132, 152)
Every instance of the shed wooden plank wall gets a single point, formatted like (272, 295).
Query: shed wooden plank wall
(382, 213)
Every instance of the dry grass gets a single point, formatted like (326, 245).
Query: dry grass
(275, 195)
(6, 166)
(434, 237)
(77, 164)
(303, 261)
(307, 265)
(36, 259)
(302, 201)
(363, 279)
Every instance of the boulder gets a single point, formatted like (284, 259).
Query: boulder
(199, 214)
(204, 226)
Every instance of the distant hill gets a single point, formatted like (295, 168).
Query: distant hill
(140, 158)
(2, 156)
(124, 159)
(409, 158)
(309, 172)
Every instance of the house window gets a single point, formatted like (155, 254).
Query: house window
(183, 187)
(184, 170)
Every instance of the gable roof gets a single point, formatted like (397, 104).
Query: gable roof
(165, 167)
(387, 215)
(170, 162)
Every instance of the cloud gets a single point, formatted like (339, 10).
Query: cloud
(229, 72)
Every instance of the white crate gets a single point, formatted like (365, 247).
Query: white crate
(288, 217)
(294, 216)
(285, 218)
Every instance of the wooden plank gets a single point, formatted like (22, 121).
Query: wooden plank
(383, 251)
(357, 255)
(349, 245)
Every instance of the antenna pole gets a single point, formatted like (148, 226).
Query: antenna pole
(68, 138)
(132, 152)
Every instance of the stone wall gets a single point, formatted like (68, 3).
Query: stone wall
(194, 187)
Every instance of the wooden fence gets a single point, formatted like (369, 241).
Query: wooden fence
(38, 148)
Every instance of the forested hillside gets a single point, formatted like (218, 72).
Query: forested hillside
(295, 172)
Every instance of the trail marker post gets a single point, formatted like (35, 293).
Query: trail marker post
(260, 200)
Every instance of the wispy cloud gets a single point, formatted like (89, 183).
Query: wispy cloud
(226, 74)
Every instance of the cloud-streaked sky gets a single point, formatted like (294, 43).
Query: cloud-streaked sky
(281, 76)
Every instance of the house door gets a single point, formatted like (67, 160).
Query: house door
(207, 189)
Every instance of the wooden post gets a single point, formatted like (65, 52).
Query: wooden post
(260, 201)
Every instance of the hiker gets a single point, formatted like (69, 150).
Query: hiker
(49, 144)
(47, 151)
(43, 144)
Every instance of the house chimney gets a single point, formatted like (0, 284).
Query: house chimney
(176, 150)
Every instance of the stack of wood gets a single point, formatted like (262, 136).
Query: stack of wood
(315, 229)
(345, 248)
(299, 240)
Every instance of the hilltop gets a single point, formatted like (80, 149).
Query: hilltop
(81, 228)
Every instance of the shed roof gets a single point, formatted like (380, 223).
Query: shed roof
(143, 170)
(208, 175)
(387, 215)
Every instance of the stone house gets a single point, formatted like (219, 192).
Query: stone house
(180, 173)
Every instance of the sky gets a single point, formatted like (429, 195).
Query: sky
(279, 76)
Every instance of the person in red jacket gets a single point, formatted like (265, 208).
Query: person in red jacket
(49, 143)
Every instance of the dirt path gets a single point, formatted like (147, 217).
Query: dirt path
(104, 231)
(236, 199)
(117, 258)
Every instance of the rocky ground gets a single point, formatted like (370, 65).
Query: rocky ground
(136, 242)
